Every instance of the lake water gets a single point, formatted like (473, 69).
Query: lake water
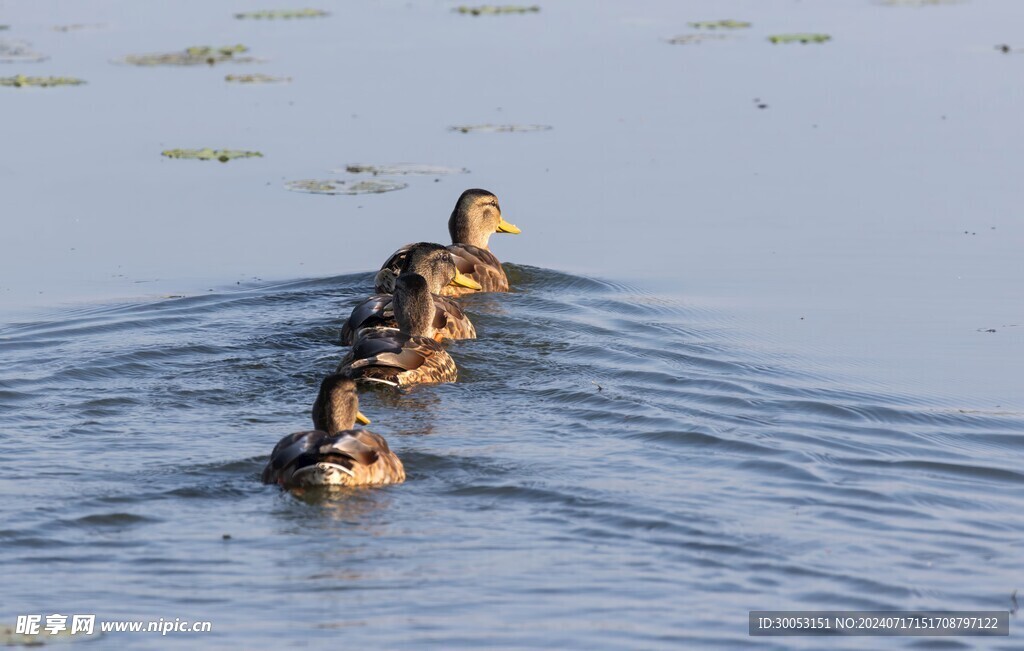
(748, 363)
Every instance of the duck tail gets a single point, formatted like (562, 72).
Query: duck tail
(365, 370)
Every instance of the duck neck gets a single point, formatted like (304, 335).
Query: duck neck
(335, 408)
(414, 312)
(462, 230)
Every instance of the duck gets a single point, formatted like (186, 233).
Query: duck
(406, 355)
(475, 218)
(435, 263)
(334, 454)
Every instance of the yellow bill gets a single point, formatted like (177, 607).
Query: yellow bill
(463, 280)
(363, 420)
(505, 227)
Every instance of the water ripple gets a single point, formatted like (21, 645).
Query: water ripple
(609, 455)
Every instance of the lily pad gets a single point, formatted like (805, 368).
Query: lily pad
(257, 78)
(498, 128)
(19, 52)
(193, 56)
(919, 3)
(696, 39)
(20, 81)
(223, 155)
(720, 24)
(496, 10)
(402, 168)
(799, 38)
(10, 637)
(315, 186)
(77, 27)
(282, 14)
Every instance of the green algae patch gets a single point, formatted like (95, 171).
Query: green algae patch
(257, 78)
(21, 81)
(799, 38)
(223, 155)
(10, 637)
(720, 24)
(497, 10)
(19, 52)
(697, 39)
(401, 168)
(375, 186)
(192, 56)
(77, 27)
(282, 14)
(920, 3)
(499, 128)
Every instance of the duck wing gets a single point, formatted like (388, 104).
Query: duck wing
(391, 357)
(374, 312)
(479, 264)
(450, 321)
(384, 281)
(350, 457)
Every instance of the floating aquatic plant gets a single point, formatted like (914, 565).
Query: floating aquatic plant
(196, 55)
(3, 27)
(257, 78)
(282, 14)
(20, 81)
(919, 3)
(498, 128)
(77, 27)
(375, 186)
(691, 39)
(19, 52)
(402, 168)
(10, 637)
(720, 24)
(223, 155)
(799, 38)
(496, 10)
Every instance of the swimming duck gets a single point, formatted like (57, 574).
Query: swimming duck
(434, 262)
(334, 454)
(405, 355)
(475, 218)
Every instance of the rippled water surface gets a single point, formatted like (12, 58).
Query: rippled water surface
(613, 470)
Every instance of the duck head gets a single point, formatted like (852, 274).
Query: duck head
(477, 216)
(435, 263)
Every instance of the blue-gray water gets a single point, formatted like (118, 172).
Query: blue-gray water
(613, 470)
(797, 384)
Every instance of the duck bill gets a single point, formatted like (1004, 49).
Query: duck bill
(462, 280)
(362, 420)
(505, 227)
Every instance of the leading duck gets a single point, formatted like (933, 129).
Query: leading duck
(334, 454)
(475, 218)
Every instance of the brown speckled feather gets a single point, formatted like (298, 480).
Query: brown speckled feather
(348, 458)
(450, 322)
(479, 264)
(388, 356)
(384, 282)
